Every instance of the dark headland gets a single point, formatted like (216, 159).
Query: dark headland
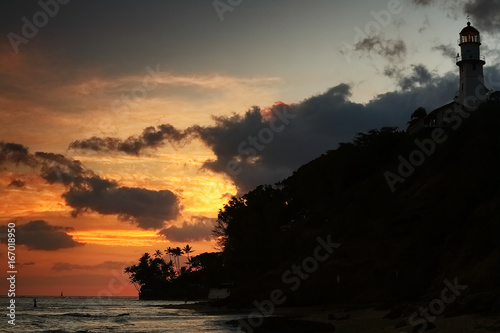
(334, 244)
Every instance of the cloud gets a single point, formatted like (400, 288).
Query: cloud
(149, 209)
(40, 235)
(150, 138)
(423, 2)
(56, 168)
(16, 154)
(265, 145)
(108, 265)
(16, 183)
(390, 49)
(419, 76)
(447, 50)
(29, 263)
(484, 13)
(378, 49)
(425, 25)
(320, 123)
(197, 230)
(89, 192)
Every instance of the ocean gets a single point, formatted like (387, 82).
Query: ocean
(120, 314)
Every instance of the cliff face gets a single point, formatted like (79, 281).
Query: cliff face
(408, 212)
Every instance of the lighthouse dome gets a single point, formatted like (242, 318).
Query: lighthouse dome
(469, 34)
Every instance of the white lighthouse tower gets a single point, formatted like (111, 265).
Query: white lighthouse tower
(470, 63)
(471, 91)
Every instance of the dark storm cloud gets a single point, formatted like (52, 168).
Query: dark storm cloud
(149, 209)
(15, 153)
(198, 230)
(265, 145)
(321, 122)
(150, 138)
(90, 192)
(420, 76)
(108, 265)
(485, 14)
(40, 235)
(56, 168)
(447, 50)
(17, 183)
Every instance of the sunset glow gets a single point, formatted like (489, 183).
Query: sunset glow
(126, 127)
(118, 237)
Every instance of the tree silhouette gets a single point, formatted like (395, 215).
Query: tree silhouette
(420, 112)
(177, 253)
(187, 250)
(150, 273)
(417, 115)
(169, 251)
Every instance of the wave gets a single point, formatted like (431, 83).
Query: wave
(88, 315)
(83, 315)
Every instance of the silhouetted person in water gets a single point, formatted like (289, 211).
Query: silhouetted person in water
(34, 302)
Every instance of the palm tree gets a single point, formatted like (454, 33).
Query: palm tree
(169, 251)
(158, 253)
(187, 250)
(150, 273)
(177, 252)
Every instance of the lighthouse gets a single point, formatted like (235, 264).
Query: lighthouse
(471, 91)
(470, 63)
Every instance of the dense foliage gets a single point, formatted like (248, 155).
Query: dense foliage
(441, 222)
(398, 244)
(156, 277)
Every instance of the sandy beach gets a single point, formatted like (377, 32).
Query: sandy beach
(361, 320)
(370, 320)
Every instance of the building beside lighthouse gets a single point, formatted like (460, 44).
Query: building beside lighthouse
(471, 89)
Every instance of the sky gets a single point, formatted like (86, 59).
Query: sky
(127, 125)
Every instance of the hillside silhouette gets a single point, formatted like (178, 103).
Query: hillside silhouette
(396, 247)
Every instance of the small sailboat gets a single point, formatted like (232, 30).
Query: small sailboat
(62, 294)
